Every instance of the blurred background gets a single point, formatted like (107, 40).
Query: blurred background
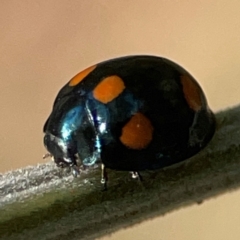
(45, 43)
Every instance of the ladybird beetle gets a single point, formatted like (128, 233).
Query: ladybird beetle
(131, 113)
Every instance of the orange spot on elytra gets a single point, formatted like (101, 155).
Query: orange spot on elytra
(192, 93)
(108, 89)
(137, 133)
(80, 76)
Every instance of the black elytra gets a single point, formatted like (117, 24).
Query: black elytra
(131, 113)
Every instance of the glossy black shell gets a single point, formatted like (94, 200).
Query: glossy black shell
(80, 124)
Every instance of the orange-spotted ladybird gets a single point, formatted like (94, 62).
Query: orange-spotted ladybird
(131, 113)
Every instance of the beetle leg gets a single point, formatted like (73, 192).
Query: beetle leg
(104, 177)
(136, 175)
(75, 170)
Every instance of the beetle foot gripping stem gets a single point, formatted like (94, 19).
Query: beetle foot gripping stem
(104, 177)
(136, 175)
(75, 170)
